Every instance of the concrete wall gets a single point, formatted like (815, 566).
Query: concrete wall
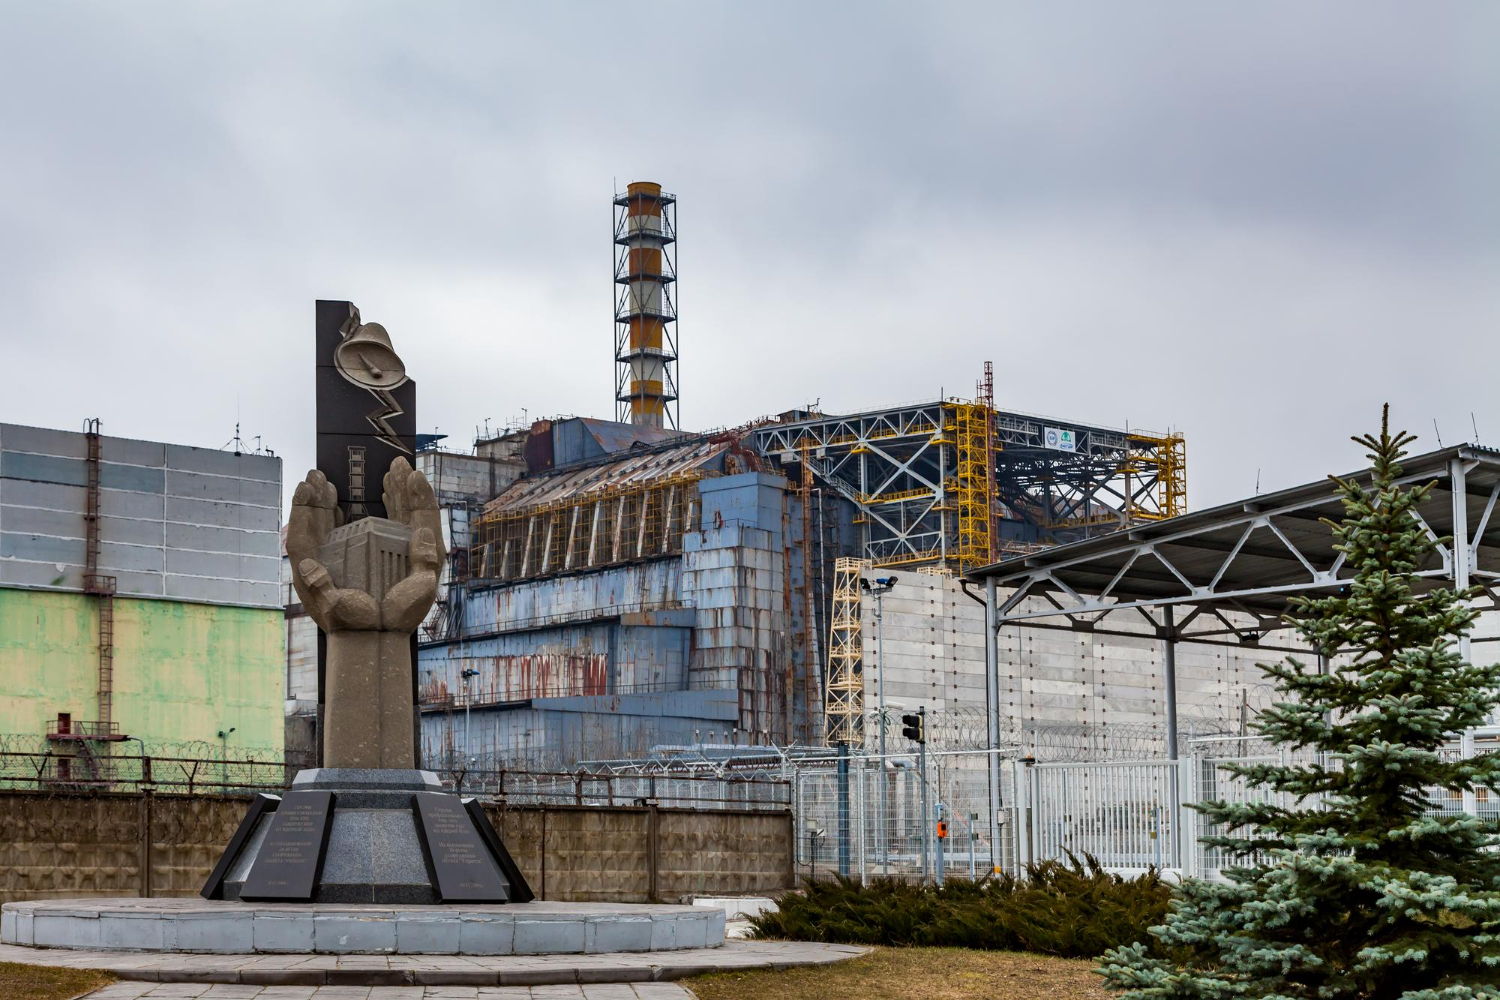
(182, 672)
(60, 846)
(635, 854)
(933, 656)
(183, 523)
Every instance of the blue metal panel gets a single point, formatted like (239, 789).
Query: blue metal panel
(716, 705)
(603, 593)
(750, 498)
(598, 659)
(676, 618)
(74, 472)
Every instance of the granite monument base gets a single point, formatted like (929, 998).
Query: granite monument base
(381, 836)
(198, 926)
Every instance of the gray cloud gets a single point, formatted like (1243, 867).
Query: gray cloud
(1250, 223)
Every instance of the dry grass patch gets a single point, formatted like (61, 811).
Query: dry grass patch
(915, 974)
(40, 982)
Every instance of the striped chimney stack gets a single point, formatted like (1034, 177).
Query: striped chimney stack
(645, 226)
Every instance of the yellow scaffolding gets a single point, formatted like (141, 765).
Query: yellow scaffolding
(908, 558)
(1163, 457)
(844, 705)
(972, 486)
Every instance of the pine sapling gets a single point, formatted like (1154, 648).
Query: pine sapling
(1348, 884)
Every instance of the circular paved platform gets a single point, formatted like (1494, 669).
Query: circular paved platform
(233, 928)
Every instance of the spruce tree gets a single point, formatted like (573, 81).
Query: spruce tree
(1356, 889)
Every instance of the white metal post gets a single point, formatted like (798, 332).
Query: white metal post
(992, 718)
(1169, 662)
(921, 778)
(1028, 805)
(1187, 818)
(862, 784)
(884, 838)
(1463, 556)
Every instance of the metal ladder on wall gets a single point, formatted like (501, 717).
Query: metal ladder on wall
(102, 588)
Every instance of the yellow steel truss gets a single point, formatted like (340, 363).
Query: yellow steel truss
(972, 485)
(1164, 457)
(844, 706)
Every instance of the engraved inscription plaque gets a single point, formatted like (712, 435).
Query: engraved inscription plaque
(261, 805)
(290, 860)
(457, 859)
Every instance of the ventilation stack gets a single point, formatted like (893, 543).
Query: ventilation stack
(645, 225)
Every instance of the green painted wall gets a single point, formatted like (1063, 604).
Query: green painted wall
(182, 671)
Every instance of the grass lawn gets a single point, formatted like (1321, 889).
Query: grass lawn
(38, 982)
(914, 974)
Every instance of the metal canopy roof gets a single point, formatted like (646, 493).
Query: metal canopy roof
(1251, 556)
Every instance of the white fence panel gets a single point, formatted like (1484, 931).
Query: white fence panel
(1122, 813)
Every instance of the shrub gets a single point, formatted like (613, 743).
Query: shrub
(1073, 909)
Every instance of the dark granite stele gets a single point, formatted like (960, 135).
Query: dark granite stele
(374, 847)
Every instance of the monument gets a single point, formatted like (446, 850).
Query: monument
(366, 854)
(367, 826)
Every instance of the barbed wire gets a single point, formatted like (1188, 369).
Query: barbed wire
(32, 743)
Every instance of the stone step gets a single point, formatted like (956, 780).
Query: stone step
(635, 969)
(208, 991)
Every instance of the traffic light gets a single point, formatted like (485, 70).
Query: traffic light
(913, 728)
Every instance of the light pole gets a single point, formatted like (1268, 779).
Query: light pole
(223, 757)
(814, 834)
(882, 586)
(468, 675)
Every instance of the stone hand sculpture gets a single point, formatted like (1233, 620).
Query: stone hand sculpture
(368, 585)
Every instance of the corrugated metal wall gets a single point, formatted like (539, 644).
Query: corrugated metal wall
(691, 647)
(933, 657)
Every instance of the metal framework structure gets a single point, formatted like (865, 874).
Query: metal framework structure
(926, 495)
(589, 530)
(1162, 457)
(1224, 576)
(844, 710)
(645, 306)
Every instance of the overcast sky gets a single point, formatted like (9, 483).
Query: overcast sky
(1250, 222)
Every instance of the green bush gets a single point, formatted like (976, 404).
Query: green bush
(1073, 909)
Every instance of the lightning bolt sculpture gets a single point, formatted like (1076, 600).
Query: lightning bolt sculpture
(380, 416)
